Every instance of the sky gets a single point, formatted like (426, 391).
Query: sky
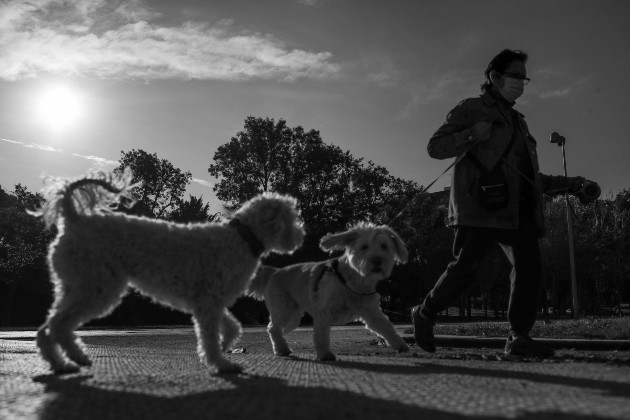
(83, 80)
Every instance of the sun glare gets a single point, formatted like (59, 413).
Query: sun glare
(59, 107)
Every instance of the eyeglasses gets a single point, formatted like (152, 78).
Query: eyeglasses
(517, 76)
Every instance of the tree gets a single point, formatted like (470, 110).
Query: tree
(555, 255)
(23, 246)
(323, 179)
(332, 187)
(163, 185)
(334, 190)
(607, 241)
(601, 231)
(194, 210)
(250, 163)
(23, 238)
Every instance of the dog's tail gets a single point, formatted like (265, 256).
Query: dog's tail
(97, 192)
(257, 286)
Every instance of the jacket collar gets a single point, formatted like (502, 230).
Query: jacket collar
(494, 98)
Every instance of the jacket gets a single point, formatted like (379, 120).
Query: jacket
(456, 136)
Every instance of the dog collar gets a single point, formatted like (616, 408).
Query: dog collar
(335, 268)
(255, 246)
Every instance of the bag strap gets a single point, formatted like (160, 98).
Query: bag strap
(503, 157)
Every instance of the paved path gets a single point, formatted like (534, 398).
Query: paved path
(155, 374)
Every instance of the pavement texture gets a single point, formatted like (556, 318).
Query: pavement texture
(156, 374)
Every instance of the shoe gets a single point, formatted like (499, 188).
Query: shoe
(423, 330)
(524, 345)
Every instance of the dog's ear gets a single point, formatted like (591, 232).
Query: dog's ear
(338, 241)
(401, 249)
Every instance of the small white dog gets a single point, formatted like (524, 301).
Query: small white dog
(337, 291)
(199, 268)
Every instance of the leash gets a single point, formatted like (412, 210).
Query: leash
(425, 189)
(528, 179)
(334, 267)
(459, 158)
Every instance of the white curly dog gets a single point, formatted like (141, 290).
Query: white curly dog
(333, 292)
(199, 268)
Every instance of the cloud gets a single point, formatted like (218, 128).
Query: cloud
(556, 82)
(42, 147)
(451, 87)
(103, 39)
(45, 148)
(554, 93)
(203, 182)
(11, 141)
(98, 160)
(311, 3)
(33, 145)
(381, 70)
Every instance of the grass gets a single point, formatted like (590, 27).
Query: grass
(587, 328)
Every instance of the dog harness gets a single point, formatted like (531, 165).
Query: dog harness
(333, 267)
(255, 246)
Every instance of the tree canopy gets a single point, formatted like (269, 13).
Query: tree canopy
(23, 240)
(333, 188)
(163, 185)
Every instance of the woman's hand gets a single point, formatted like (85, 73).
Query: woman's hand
(481, 130)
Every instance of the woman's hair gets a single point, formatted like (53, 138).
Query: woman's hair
(501, 62)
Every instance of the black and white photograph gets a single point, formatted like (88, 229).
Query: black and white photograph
(314, 209)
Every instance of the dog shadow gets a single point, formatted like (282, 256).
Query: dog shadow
(249, 396)
(366, 366)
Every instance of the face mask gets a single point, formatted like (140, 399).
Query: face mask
(512, 89)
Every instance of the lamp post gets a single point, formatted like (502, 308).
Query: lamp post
(560, 141)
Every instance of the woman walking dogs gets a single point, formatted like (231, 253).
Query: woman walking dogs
(496, 197)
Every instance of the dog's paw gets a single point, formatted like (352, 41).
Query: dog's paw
(82, 360)
(403, 348)
(283, 352)
(66, 368)
(327, 357)
(229, 367)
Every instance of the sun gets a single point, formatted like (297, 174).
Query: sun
(59, 107)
